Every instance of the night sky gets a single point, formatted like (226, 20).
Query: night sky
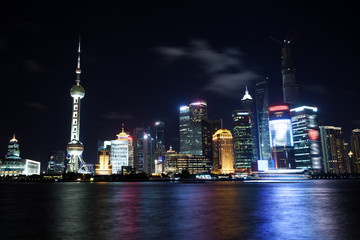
(140, 62)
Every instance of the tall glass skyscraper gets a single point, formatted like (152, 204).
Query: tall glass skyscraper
(307, 147)
(243, 142)
(262, 102)
(191, 129)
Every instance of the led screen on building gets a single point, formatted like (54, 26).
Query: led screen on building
(281, 133)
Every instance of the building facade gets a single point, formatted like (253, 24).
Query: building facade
(177, 162)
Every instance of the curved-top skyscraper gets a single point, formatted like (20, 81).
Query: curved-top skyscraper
(75, 148)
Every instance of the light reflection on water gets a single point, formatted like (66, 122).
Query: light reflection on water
(219, 210)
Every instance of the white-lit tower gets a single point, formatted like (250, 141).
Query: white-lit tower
(75, 148)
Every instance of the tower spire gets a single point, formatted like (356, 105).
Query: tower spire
(247, 95)
(122, 127)
(78, 70)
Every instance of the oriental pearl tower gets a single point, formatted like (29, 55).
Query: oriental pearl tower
(75, 148)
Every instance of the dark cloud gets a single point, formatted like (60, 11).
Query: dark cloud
(115, 115)
(37, 105)
(229, 84)
(33, 66)
(225, 70)
(316, 88)
(355, 122)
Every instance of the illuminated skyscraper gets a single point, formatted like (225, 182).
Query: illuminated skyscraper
(307, 146)
(332, 143)
(281, 137)
(75, 148)
(191, 129)
(247, 103)
(355, 148)
(223, 153)
(262, 102)
(119, 152)
(243, 142)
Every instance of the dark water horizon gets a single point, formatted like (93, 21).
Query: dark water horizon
(314, 209)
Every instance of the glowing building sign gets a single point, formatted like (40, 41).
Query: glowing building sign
(281, 133)
(279, 108)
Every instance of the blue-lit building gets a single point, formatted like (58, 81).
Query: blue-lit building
(306, 136)
(281, 137)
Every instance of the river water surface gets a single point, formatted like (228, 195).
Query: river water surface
(314, 209)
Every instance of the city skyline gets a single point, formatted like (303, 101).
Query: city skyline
(145, 73)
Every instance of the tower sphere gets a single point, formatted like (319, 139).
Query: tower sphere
(77, 91)
(75, 147)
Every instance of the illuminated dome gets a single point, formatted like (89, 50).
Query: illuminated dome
(77, 91)
(224, 133)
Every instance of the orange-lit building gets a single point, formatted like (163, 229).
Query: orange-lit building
(223, 153)
(103, 168)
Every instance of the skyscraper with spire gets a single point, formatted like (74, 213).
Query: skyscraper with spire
(247, 103)
(75, 148)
